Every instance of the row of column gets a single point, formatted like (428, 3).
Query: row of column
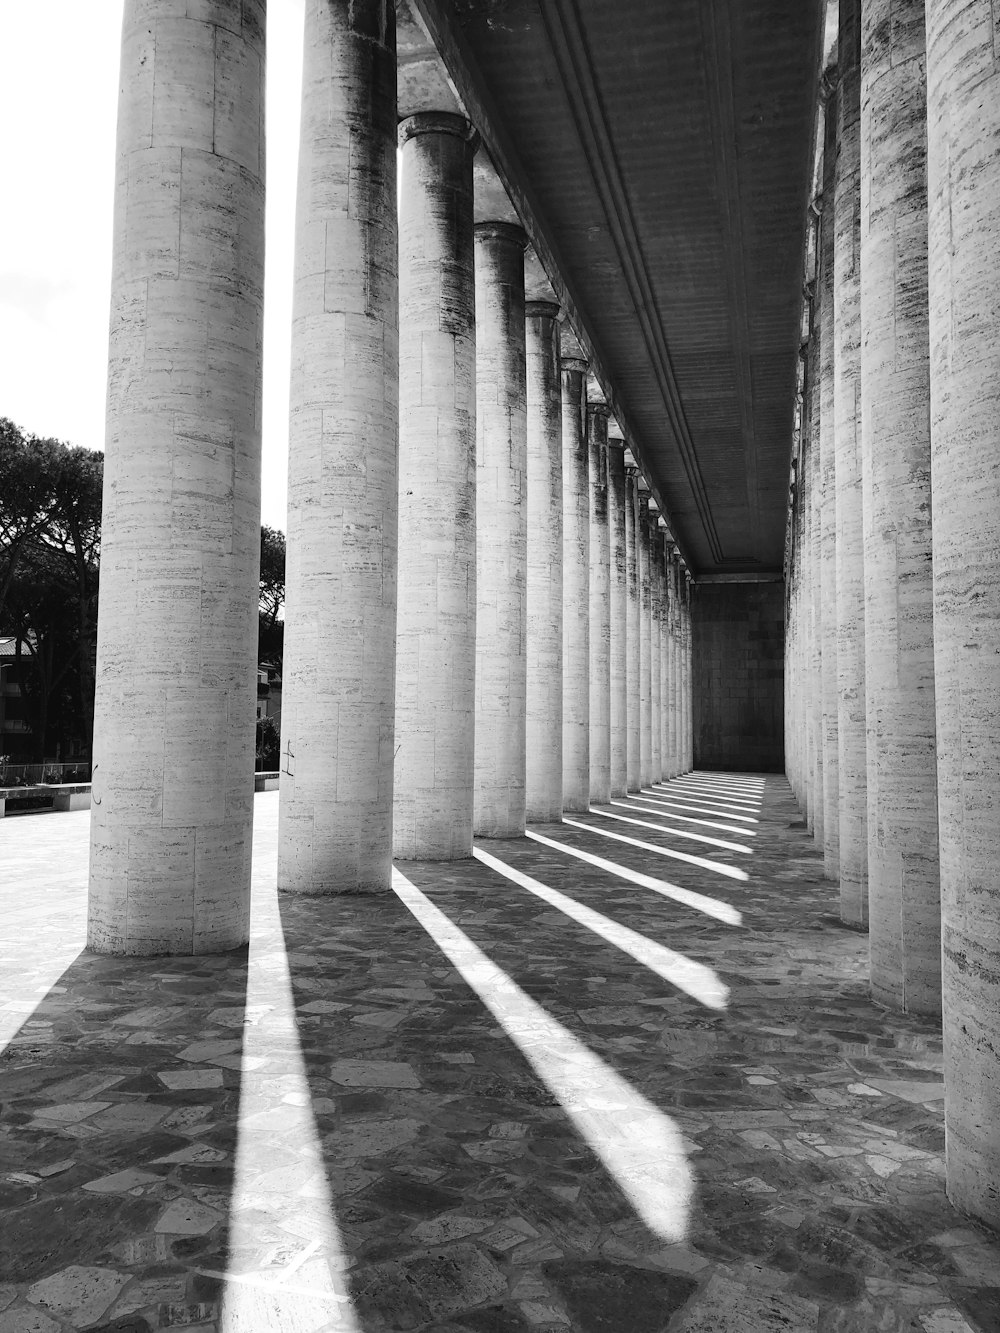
(893, 644)
(484, 620)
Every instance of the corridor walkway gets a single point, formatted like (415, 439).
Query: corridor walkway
(622, 1076)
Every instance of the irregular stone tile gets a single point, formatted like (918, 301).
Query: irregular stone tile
(78, 1294)
(190, 1078)
(454, 1279)
(945, 1320)
(374, 1074)
(449, 1226)
(70, 1112)
(596, 1295)
(909, 1091)
(122, 1181)
(24, 1319)
(187, 1217)
(369, 1138)
(724, 1304)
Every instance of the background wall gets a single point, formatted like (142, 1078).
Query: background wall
(738, 642)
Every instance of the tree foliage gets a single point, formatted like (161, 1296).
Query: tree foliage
(272, 595)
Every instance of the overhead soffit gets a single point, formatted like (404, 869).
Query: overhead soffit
(660, 156)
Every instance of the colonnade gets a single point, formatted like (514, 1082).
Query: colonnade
(485, 621)
(893, 569)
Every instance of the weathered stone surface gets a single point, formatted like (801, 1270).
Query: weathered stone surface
(544, 688)
(436, 616)
(171, 821)
(576, 587)
(340, 618)
(618, 594)
(501, 535)
(963, 186)
(632, 644)
(599, 672)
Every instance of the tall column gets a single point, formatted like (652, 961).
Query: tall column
(852, 764)
(543, 776)
(963, 190)
(501, 539)
(576, 587)
(904, 889)
(688, 700)
(335, 822)
(172, 817)
(436, 617)
(818, 618)
(600, 604)
(645, 696)
(661, 594)
(632, 608)
(619, 616)
(673, 622)
(655, 758)
(827, 440)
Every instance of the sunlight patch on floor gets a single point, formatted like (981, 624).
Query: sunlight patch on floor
(633, 804)
(703, 862)
(699, 901)
(693, 978)
(637, 1143)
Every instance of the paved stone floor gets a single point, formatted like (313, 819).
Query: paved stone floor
(620, 1077)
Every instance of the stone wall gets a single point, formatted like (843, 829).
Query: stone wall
(738, 632)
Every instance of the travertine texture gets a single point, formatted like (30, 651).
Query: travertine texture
(576, 587)
(852, 776)
(661, 583)
(501, 538)
(673, 628)
(543, 773)
(436, 616)
(171, 819)
(655, 759)
(904, 918)
(687, 757)
(814, 603)
(645, 694)
(340, 636)
(619, 615)
(632, 608)
(963, 190)
(600, 604)
(827, 439)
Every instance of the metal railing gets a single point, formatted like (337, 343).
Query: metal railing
(14, 774)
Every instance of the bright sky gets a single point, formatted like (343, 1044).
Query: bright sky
(58, 106)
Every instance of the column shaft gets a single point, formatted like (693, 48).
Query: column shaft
(600, 605)
(436, 618)
(827, 438)
(619, 617)
(963, 190)
(172, 817)
(501, 543)
(852, 765)
(673, 590)
(632, 609)
(661, 586)
(904, 921)
(543, 777)
(645, 695)
(655, 757)
(576, 587)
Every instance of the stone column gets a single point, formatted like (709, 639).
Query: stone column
(436, 617)
(645, 694)
(619, 616)
(501, 539)
(543, 792)
(818, 618)
(688, 756)
(827, 480)
(335, 823)
(600, 605)
(172, 817)
(576, 587)
(904, 892)
(674, 763)
(632, 610)
(655, 758)
(664, 655)
(963, 189)
(852, 764)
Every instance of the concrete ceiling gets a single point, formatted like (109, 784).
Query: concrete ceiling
(659, 153)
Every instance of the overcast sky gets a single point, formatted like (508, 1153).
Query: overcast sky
(58, 105)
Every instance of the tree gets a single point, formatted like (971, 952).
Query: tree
(29, 472)
(271, 633)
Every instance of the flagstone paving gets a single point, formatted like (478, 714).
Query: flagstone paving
(517, 1095)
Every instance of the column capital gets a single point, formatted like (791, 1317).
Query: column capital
(574, 363)
(437, 122)
(541, 310)
(631, 471)
(598, 409)
(510, 232)
(616, 442)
